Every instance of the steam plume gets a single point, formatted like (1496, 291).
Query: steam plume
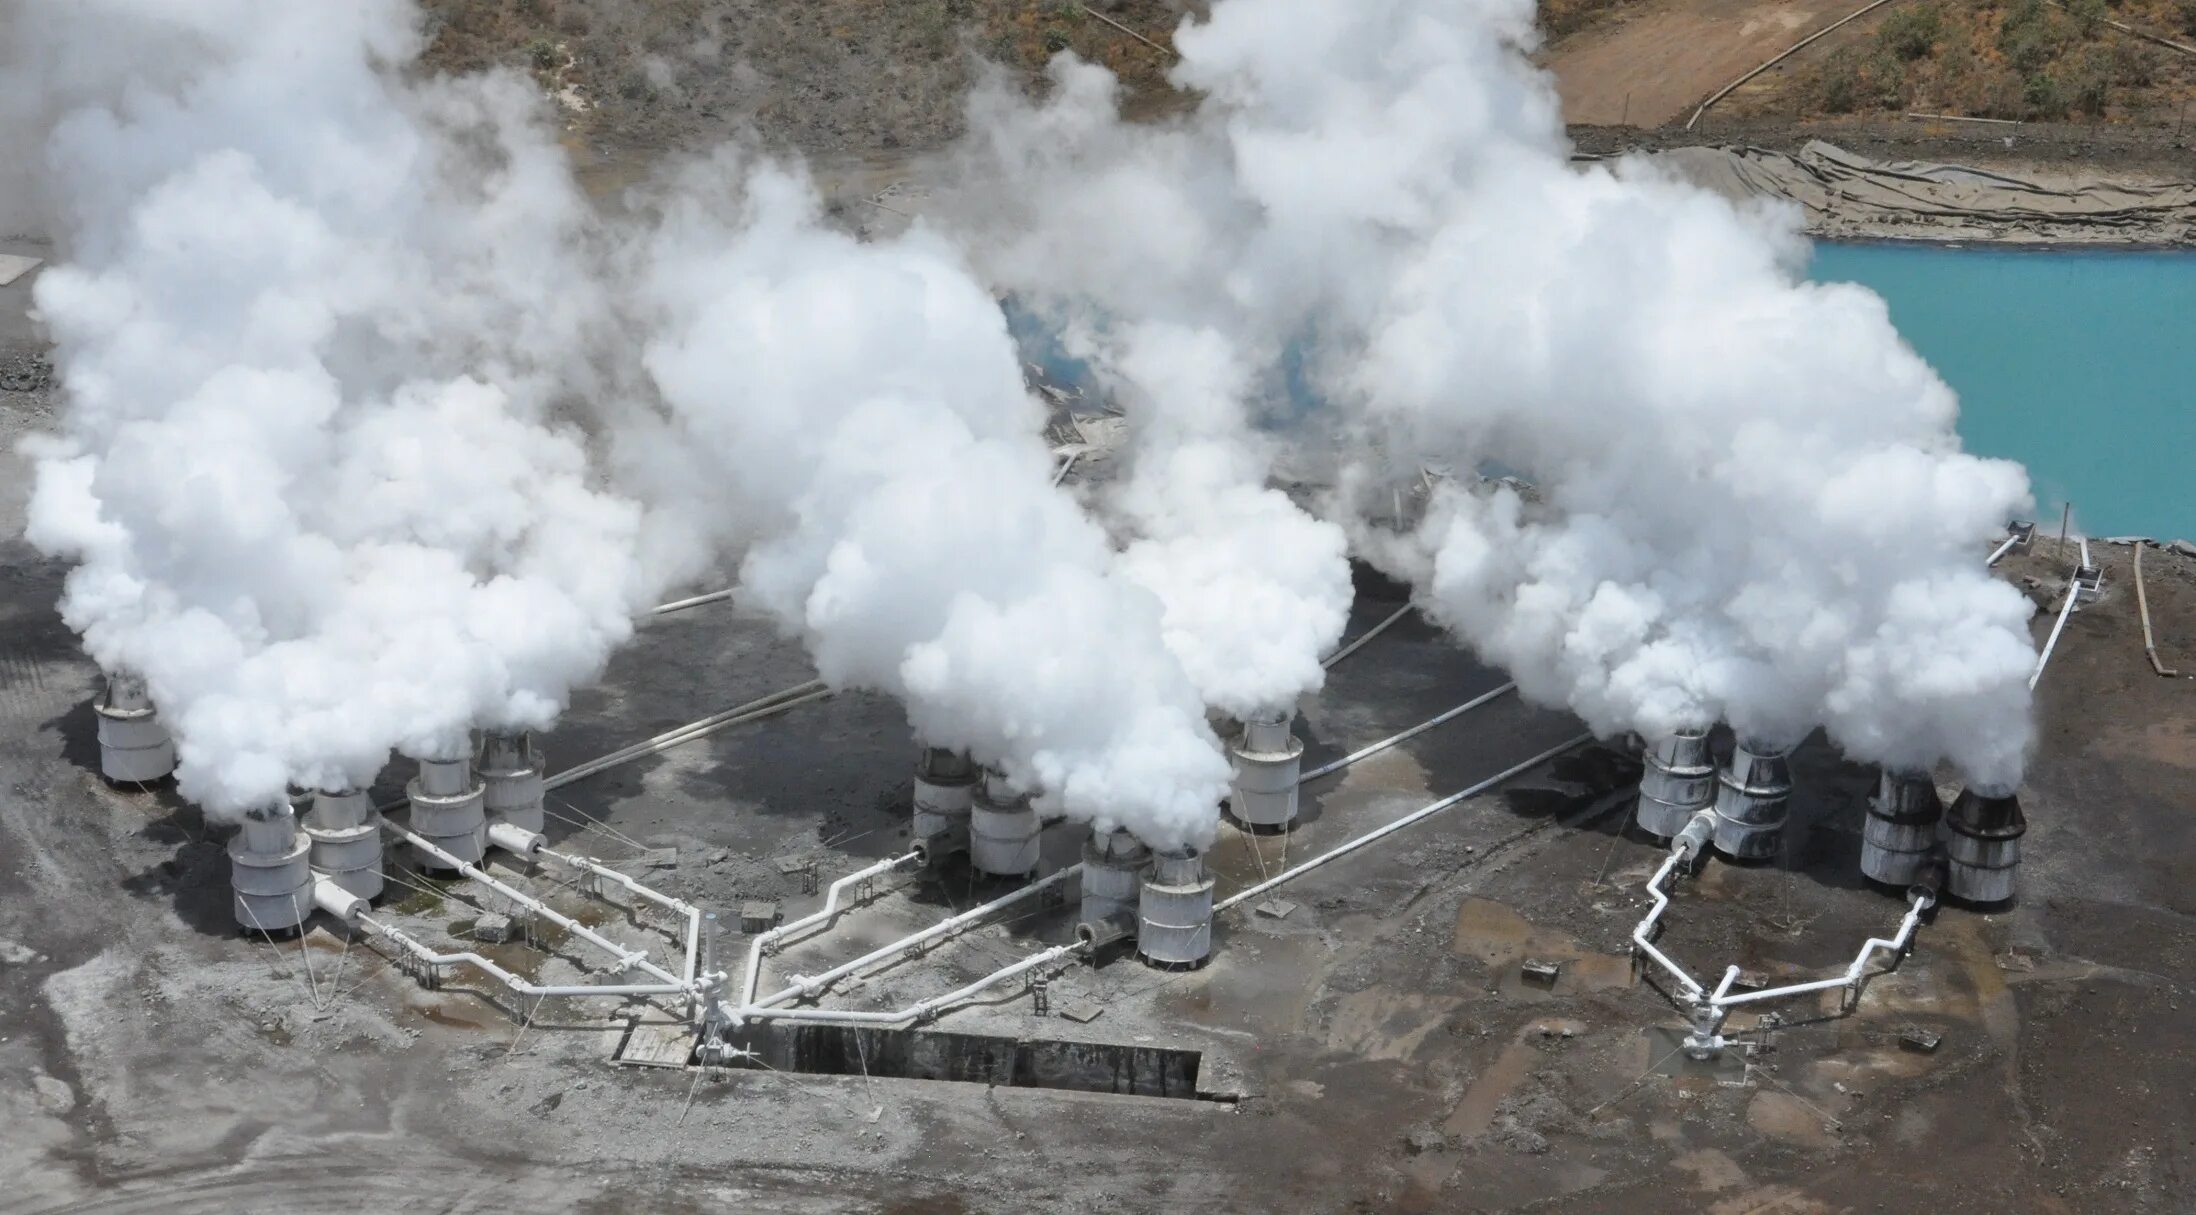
(310, 319)
(1751, 505)
(855, 415)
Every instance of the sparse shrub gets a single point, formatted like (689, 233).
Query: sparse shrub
(2088, 16)
(2033, 36)
(1057, 39)
(2135, 64)
(542, 53)
(1851, 82)
(2041, 96)
(2187, 14)
(1911, 33)
(2089, 78)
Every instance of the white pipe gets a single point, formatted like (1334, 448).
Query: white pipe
(804, 985)
(917, 1011)
(628, 959)
(1065, 465)
(1661, 900)
(680, 605)
(512, 981)
(678, 906)
(2085, 549)
(1405, 736)
(2073, 590)
(1921, 901)
(2007, 547)
(1383, 832)
(754, 710)
(830, 908)
(1364, 637)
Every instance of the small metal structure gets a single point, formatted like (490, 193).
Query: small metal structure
(1752, 797)
(1899, 838)
(1268, 759)
(1678, 781)
(1174, 911)
(945, 792)
(270, 873)
(1114, 863)
(510, 769)
(1982, 842)
(343, 832)
(134, 748)
(1003, 829)
(449, 809)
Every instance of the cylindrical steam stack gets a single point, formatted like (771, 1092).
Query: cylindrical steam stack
(270, 872)
(945, 792)
(1268, 758)
(1753, 794)
(344, 834)
(1003, 829)
(1678, 782)
(134, 748)
(449, 807)
(1900, 834)
(1174, 911)
(1982, 843)
(1114, 863)
(510, 772)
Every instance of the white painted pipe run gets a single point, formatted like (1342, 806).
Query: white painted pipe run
(521, 986)
(1999, 553)
(754, 710)
(680, 605)
(829, 909)
(628, 959)
(680, 907)
(920, 1010)
(804, 985)
(1408, 819)
(1712, 1007)
(1405, 736)
(1366, 636)
(2073, 592)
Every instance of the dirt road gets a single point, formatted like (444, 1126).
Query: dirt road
(1657, 62)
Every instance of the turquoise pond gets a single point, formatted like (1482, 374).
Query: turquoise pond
(2080, 365)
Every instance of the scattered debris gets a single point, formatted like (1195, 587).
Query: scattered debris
(1082, 1012)
(1532, 970)
(493, 928)
(14, 266)
(1274, 909)
(1420, 1140)
(1920, 1040)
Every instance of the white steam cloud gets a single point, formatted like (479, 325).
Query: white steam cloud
(855, 413)
(310, 320)
(1751, 505)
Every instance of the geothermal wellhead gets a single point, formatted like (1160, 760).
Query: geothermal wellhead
(270, 872)
(1174, 910)
(133, 746)
(945, 793)
(510, 771)
(1267, 758)
(1002, 829)
(1982, 844)
(1678, 780)
(1753, 795)
(343, 831)
(1114, 864)
(449, 808)
(1899, 836)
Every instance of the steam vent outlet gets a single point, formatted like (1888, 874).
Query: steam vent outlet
(1753, 795)
(344, 834)
(1982, 842)
(1174, 911)
(1268, 758)
(270, 872)
(510, 770)
(134, 748)
(1678, 782)
(945, 792)
(1002, 829)
(449, 807)
(1901, 831)
(1114, 864)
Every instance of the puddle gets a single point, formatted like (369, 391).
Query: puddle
(1502, 939)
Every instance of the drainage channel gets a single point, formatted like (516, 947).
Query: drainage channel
(921, 1054)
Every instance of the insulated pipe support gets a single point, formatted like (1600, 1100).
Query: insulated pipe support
(344, 831)
(1900, 833)
(510, 771)
(134, 748)
(449, 808)
(1174, 911)
(1268, 760)
(1677, 780)
(1753, 796)
(945, 791)
(270, 874)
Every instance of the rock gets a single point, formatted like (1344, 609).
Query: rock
(1421, 1140)
(493, 928)
(1276, 909)
(54, 1095)
(2183, 547)
(15, 953)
